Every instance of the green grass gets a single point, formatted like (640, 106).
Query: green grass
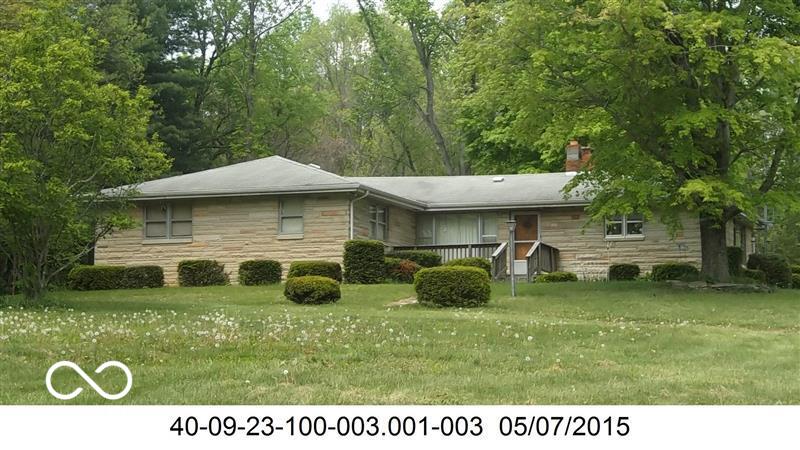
(577, 343)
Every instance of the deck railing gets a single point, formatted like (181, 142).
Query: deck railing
(455, 251)
(495, 252)
(541, 258)
(500, 262)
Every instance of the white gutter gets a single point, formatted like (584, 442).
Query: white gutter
(352, 202)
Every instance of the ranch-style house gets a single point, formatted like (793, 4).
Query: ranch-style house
(275, 208)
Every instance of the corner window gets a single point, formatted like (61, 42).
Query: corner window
(291, 216)
(378, 222)
(168, 221)
(625, 226)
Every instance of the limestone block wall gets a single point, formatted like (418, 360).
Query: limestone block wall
(232, 230)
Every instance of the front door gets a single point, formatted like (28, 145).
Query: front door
(526, 233)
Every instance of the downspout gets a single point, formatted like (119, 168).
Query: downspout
(352, 202)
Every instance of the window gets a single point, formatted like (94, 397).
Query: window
(291, 216)
(441, 229)
(378, 222)
(627, 226)
(488, 228)
(168, 221)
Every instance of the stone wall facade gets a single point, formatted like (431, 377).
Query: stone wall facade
(402, 228)
(232, 230)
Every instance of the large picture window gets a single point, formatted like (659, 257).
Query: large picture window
(291, 216)
(625, 226)
(443, 229)
(378, 222)
(168, 221)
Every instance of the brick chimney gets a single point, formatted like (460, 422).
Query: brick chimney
(577, 156)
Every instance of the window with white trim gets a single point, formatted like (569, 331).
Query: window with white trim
(291, 216)
(378, 222)
(168, 221)
(625, 226)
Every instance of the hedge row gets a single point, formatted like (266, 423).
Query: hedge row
(92, 278)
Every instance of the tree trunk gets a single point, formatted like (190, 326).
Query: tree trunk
(713, 246)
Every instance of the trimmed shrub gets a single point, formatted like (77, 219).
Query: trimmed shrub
(95, 278)
(424, 258)
(329, 269)
(201, 272)
(754, 274)
(623, 272)
(452, 286)
(363, 262)
(136, 277)
(795, 268)
(259, 271)
(775, 267)
(556, 277)
(675, 271)
(735, 260)
(481, 263)
(796, 280)
(401, 270)
(312, 290)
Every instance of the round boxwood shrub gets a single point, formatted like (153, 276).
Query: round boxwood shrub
(795, 268)
(623, 272)
(424, 258)
(201, 272)
(259, 271)
(675, 271)
(94, 278)
(796, 280)
(312, 290)
(363, 262)
(452, 286)
(776, 268)
(401, 270)
(735, 260)
(330, 269)
(136, 277)
(481, 263)
(556, 277)
(754, 274)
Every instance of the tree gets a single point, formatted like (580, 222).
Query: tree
(431, 38)
(689, 105)
(64, 135)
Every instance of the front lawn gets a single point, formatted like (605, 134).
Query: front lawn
(573, 343)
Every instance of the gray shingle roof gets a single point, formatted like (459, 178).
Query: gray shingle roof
(272, 175)
(478, 191)
(277, 175)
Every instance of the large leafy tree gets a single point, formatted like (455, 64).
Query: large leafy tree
(65, 134)
(690, 105)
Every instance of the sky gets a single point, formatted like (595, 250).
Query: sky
(322, 7)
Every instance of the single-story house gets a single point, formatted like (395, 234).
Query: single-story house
(275, 208)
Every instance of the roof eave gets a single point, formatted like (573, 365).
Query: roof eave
(504, 206)
(253, 193)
